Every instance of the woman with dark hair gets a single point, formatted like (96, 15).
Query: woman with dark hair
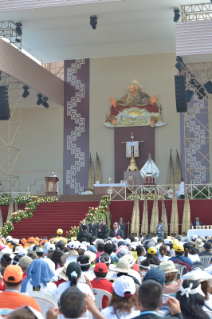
(123, 304)
(6, 260)
(85, 264)
(56, 258)
(71, 274)
(2, 284)
(152, 256)
(144, 266)
(191, 298)
(163, 253)
(141, 252)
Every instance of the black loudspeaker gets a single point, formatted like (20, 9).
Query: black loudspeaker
(4, 104)
(180, 93)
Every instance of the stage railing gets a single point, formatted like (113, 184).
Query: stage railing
(194, 191)
(13, 194)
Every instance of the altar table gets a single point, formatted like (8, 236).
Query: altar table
(104, 189)
(199, 232)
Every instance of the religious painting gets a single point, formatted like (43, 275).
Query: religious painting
(136, 108)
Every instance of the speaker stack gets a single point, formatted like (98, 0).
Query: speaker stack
(4, 103)
(180, 93)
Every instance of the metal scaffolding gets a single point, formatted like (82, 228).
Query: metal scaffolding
(10, 138)
(8, 31)
(198, 126)
(196, 12)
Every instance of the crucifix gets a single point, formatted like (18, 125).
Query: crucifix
(132, 151)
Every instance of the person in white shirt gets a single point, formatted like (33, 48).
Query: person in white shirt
(162, 253)
(182, 189)
(123, 304)
(73, 273)
(85, 264)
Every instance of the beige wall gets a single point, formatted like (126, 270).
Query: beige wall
(110, 77)
(42, 129)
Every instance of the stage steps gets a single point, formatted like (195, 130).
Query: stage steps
(79, 198)
(51, 216)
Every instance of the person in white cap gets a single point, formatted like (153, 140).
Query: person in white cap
(123, 303)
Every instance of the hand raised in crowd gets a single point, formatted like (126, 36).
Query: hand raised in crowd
(173, 304)
(52, 313)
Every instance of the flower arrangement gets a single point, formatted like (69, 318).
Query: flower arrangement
(102, 211)
(149, 196)
(31, 203)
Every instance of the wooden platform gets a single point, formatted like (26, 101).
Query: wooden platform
(79, 198)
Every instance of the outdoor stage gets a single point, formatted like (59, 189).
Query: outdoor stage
(48, 217)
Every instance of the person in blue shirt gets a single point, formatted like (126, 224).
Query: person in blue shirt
(179, 251)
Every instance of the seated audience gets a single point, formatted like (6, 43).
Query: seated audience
(207, 251)
(24, 263)
(152, 256)
(179, 251)
(11, 298)
(172, 285)
(123, 303)
(163, 253)
(85, 264)
(192, 298)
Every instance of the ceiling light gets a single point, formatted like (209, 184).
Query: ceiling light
(93, 21)
(176, 14)
(40, 99)
(45, 103)
(18, 28)
(26, 92)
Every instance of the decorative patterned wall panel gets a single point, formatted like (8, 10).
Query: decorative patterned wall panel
(194, 37)
(27, 71)
(76, 126)
(197, 146)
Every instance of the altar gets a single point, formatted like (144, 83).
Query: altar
(199, 232)
(106, 189)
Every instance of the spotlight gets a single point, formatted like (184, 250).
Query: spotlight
(40, 99)
(26, 92)
(189, 94)
(45, 103)
(208, 87)
(176, 14)
(93, 21)
(179, 65)
(18, 28)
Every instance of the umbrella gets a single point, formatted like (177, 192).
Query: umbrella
(90, 174)
(186, 215)
(155, 214)
(170, 179)
(174, 223)
(98, 170)
(135, 221)
(178, 170)
(164, 217)
(144, 225)
(11, 209)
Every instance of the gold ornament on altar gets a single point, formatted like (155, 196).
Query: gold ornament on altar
(136, 108)
(133, 166)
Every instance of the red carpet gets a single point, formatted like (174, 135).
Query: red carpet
(51, 216)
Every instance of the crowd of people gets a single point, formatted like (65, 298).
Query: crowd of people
(140, 275)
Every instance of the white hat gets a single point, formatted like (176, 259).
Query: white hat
(114, 240)
(23, 252)
(72, 245)
(124, 286)
(39, 250)
(198, 275)
(6, 250)
(82, 246)
(133, 246)
(199, 242)
(51, 247)
(194, 237)
(127, 241)
(17, 250)
(129, 257)
(9, 238)
(168, 241)
(85, 243)
(61, 272)
(136, 239)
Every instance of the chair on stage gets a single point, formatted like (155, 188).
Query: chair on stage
(205, 260)
(99, 294)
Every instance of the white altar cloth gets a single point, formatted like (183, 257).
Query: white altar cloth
(199, 232)
(111, 185)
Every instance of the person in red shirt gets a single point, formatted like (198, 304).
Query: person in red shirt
(11, 298)
(100, 282)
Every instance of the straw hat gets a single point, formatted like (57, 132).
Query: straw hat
(198, 275)
(91, 255)
(61, 272)
(199, 242)
(167, 267)
(122, 266)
